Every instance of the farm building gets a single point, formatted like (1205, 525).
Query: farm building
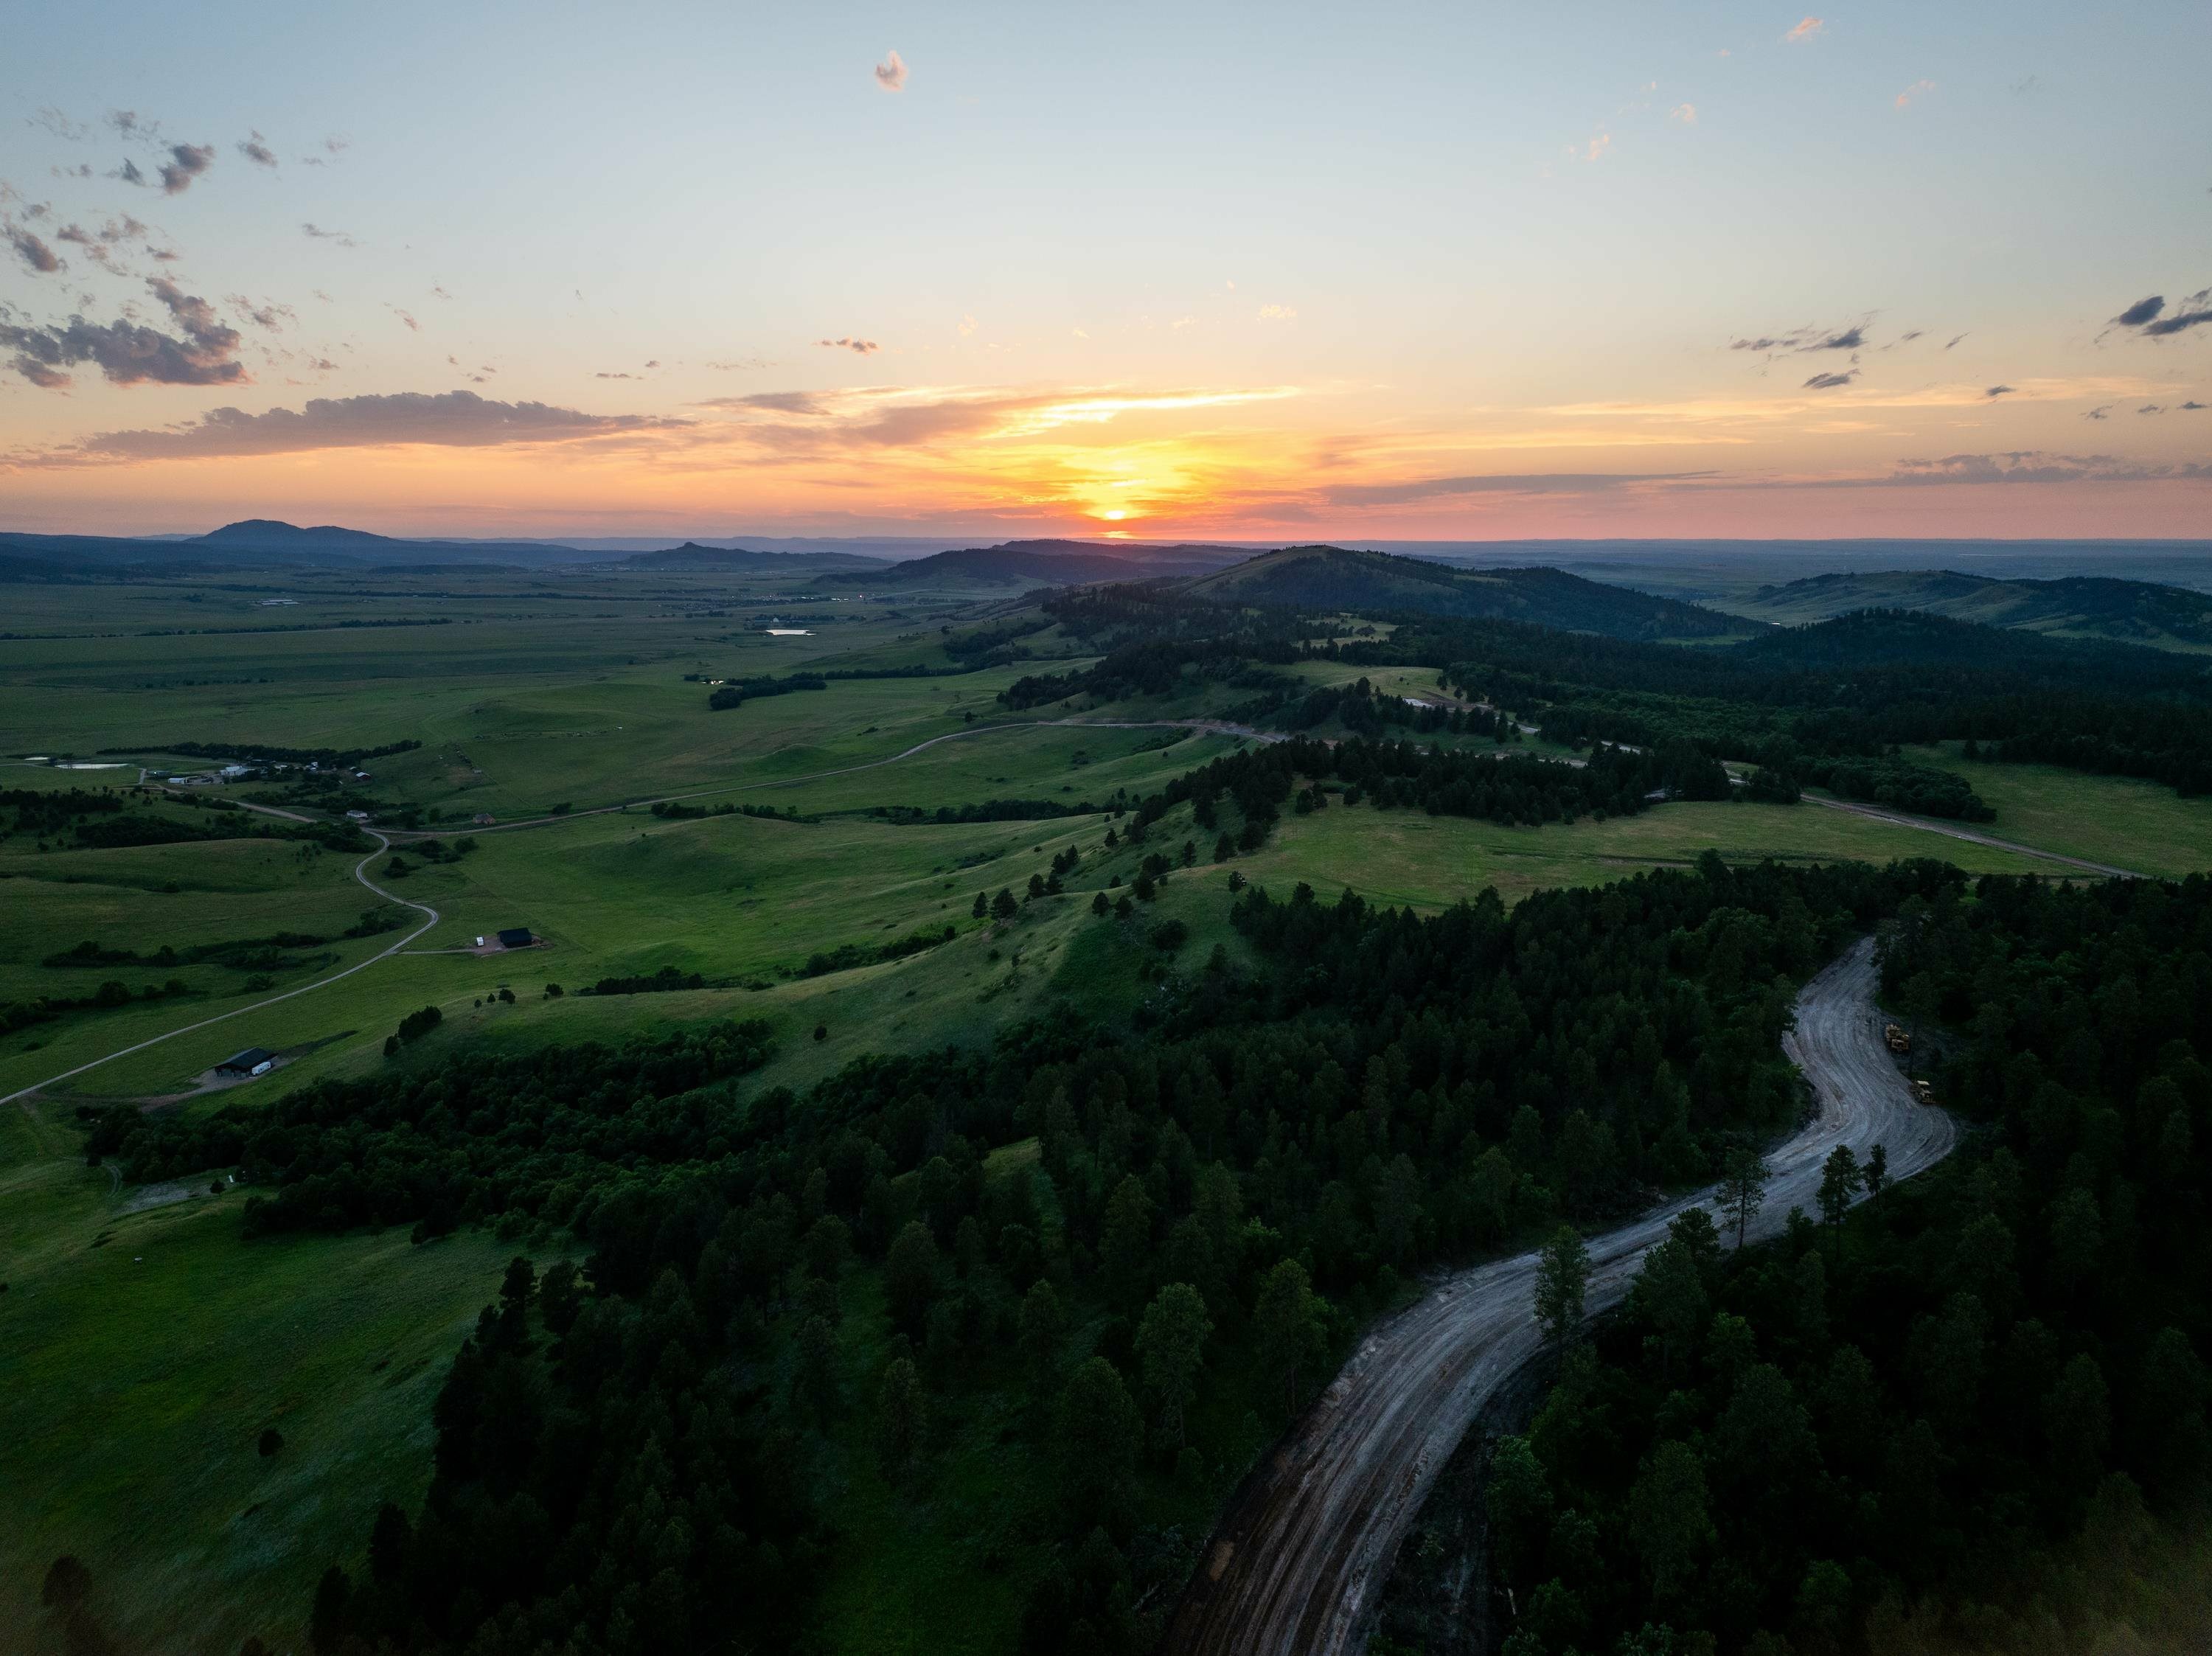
(483, 819)
(515, 936)
(254, 1061)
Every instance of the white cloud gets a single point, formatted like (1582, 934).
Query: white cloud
(1914, 93)
(890, 73)
(1806, 28)
(1683, 114)
(967, 325)
(1277, 312)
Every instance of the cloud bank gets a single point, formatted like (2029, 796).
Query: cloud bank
(453, 419)
(1541, 483)
(129, 353)
(2037, 466)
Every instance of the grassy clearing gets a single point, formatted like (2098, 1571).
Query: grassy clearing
(1428, 862)
(145, 1353)
(2144, 826)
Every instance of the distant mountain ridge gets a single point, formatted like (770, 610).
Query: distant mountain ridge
(266, 542)
(1058, 563)
(1337, 578)
(2075, 606)
(735, 560)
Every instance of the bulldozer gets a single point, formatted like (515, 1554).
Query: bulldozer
(1897, 1041)
(1923, 1092)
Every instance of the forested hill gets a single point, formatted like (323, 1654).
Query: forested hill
(1054, 563)
(1886, 638)
(1327, 578)
(2084, 606)
(1848, 686)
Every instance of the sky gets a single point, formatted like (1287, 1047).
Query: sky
(1461, 271)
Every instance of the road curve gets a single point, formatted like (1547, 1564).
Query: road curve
(1298, 1565)
(360, 873)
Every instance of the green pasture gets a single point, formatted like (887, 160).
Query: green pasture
(2116, 819)
(137, 899)
(1428, 862)
(144, 1349)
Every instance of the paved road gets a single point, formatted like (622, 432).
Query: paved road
(1297, 1566)
(360, 873)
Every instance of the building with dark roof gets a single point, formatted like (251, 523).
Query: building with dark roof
(254, 1061)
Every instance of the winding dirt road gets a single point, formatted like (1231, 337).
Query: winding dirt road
(360, 873)
(1297, 1566)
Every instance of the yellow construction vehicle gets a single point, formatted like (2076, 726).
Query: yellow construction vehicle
(1897, 1040)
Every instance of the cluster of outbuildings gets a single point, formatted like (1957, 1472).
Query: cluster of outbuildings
(216, 777)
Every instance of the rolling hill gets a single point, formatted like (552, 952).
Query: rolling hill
(1334, 578)
(2080, 606)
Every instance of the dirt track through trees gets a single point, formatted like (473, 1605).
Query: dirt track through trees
(1312, 1537)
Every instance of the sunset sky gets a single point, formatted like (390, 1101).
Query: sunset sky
(1454, 271)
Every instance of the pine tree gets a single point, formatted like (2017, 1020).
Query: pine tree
(1562, 1285)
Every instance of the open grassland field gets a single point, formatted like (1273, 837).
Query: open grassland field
(138, 899)
(519, 703)
(144, 1350)
(1394, 857)
(741, 901)
(2107, 819)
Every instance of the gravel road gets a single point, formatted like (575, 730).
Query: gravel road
(1299, 1563)
(360, 873)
